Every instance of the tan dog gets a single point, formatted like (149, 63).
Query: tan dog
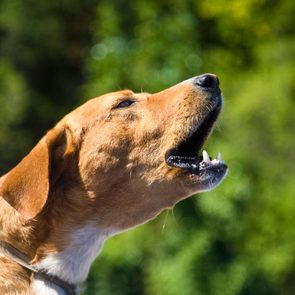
(112, 164)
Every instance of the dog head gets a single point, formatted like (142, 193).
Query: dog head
(123, 157)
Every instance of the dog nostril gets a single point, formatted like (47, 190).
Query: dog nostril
(207, 81)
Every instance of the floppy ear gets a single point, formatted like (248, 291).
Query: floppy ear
(26, 186)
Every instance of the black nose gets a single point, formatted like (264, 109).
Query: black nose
(207, 81)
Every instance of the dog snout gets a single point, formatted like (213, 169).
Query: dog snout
(207, 82)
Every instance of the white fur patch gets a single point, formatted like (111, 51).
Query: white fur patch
(72, 265)
(41, 287)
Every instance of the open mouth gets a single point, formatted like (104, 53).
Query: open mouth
(186, 155)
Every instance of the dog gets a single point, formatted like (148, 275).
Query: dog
(112, 164)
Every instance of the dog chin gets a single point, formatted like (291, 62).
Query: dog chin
(209, 178)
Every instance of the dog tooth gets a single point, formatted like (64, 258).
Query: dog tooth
(206, 157)
(218, 157)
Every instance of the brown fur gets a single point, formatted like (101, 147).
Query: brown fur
(100, 163)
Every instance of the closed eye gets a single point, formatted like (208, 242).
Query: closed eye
(125, 103)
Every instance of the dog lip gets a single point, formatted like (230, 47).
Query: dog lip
(187, 163)
(195, 165)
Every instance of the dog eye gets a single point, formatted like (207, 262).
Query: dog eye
(125, 103)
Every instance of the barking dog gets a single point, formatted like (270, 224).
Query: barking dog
(112, 164)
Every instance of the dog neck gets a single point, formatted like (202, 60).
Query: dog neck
(67, 253)
(72, 264)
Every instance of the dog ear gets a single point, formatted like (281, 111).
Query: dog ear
(26, 187)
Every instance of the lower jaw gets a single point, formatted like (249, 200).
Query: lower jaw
(195, 164)
(202, 172)
(206, 179)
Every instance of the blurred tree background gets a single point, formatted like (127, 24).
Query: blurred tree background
(237, 239)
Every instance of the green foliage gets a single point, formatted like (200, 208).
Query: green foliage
(13, 102)
(238, 239)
